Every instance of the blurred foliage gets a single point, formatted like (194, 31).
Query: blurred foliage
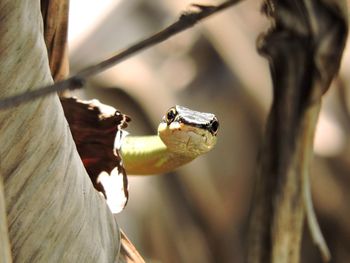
(199, 213)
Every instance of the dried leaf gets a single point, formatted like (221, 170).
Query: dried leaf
(55, 16)
(128, 253)
(95, 127)
(304, 48)
(113, 185)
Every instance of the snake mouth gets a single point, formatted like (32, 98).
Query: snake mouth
(186, 139)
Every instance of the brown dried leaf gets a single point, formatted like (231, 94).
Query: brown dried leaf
(128, 253)
(304, 49)
(94, 127)
(55, 16)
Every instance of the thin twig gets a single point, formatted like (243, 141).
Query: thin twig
(311, 218)
(343, 95)
(185, 21)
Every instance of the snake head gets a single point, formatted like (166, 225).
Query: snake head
(187, 131)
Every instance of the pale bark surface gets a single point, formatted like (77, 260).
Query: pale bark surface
(53, 212)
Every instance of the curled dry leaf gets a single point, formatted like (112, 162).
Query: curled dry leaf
(95, 128)
(113, 181)
(304, 48)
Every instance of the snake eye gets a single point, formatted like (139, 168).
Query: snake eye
(170, 116)
(214, 126)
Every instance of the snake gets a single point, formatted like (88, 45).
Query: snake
(183, 135)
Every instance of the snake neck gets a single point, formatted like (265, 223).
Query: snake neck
(146, 155)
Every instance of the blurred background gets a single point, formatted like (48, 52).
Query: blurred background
(199, 212)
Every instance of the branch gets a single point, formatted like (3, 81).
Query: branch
(185, 21)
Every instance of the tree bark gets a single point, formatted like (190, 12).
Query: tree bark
(53, 212)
